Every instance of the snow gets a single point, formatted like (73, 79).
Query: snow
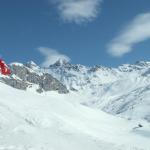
(32, 65)
(50, 121)
(16, 64)
(122, 91)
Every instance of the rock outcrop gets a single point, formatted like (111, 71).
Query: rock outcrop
(23, 77)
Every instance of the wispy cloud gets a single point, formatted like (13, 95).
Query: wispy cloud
(78, 11)
(51, 56)
(137, 31)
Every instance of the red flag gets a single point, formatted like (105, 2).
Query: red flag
(4, 69)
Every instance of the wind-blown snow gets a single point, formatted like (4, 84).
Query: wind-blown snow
(49, 121)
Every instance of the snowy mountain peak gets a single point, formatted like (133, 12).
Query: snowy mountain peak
(16, 64)
(32, 65)
(60, 62)
(143, 63)
(136, 67)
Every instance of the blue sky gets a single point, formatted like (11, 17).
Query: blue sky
(88, 32)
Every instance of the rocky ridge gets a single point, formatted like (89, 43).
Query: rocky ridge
(25, 76)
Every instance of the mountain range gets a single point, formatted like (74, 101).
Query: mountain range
(96, 105)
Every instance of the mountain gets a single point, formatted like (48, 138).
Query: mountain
(75, 107)
(26, 77)
(122, 91)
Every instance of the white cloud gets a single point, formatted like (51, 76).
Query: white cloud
(51, 56)
(78, 11)
(137, 31)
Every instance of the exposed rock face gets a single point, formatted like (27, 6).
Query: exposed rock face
(23, 76)
(18, 84)
(48, 83)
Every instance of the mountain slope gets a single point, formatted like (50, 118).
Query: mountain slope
(50, 121)
(25, 76)
(122, 91)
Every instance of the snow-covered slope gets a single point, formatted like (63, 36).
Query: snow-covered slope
(122, 91)
(52, 121)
